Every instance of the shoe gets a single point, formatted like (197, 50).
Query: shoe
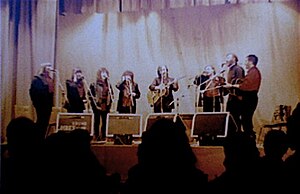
(98, 138)
(103, 139)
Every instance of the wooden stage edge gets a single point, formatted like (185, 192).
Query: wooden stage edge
(119, 158)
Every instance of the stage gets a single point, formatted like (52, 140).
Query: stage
(119, 158)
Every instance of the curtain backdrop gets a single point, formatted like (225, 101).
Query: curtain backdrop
(27, 39)
(105, 6)
(185, 39)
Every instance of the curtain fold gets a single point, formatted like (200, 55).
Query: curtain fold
(186, 40)
(27, 40)
(30, 35)
(106, 6)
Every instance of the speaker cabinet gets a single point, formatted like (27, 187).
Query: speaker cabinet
(124, 124)
(71, 121)
(213, 124)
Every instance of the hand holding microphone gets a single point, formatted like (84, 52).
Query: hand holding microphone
(222, 71)
(51, 69)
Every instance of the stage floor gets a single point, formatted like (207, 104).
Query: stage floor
(119, 158)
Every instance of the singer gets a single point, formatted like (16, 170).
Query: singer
(129, 92)
(41, 93)
(234, 75)
(249, 87)
(210, 89)
(76, 93)
(163, 87)
(103, 93)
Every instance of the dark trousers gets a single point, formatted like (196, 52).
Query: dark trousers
(100, 116)
(249, 104)
(164, 105)
(211, 104)
(43, 116)
(234, 107)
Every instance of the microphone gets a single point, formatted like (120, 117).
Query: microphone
(52, 70)
(224, 64)
(222, 71)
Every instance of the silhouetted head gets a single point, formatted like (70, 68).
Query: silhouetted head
(240, 151)
(165, 143)
(293, 128)
(23, 135)
(275, 143)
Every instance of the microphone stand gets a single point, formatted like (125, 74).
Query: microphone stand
(111, 95)
(89, 94)
(131, 97)
(160, 95)
(62, 90)
(197, 94)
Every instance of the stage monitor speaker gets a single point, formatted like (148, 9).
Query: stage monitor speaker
(72, 121)
(124, 124)
(152, 117)
(212, 124)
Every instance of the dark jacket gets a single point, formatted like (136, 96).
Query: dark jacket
(39, 92)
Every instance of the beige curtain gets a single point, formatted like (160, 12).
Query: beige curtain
(27, 39)
(106, 6)
(185, 39)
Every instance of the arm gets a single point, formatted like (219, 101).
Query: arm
(154, 85)
(197, 80)
(238, 75)
(174, 86)
(136, 91)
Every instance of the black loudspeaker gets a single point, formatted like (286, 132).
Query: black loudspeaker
(124, 125)
(72, 121)
(210, 128)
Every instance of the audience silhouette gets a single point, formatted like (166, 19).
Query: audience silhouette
(65, 162)
(72, 166)
(22, 163)
(166, 162)
(292, 163)
(241, 165)
(272, 175)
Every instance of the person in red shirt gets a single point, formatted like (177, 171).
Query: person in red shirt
(249, 87)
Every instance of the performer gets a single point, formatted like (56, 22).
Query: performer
(129, 92)
(210, 86)
(249, 86)
(76, 93)
(103, 93)
(41, 93)
(235, 75)
(163, 87)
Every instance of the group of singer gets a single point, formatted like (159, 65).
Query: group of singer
(240, 90)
